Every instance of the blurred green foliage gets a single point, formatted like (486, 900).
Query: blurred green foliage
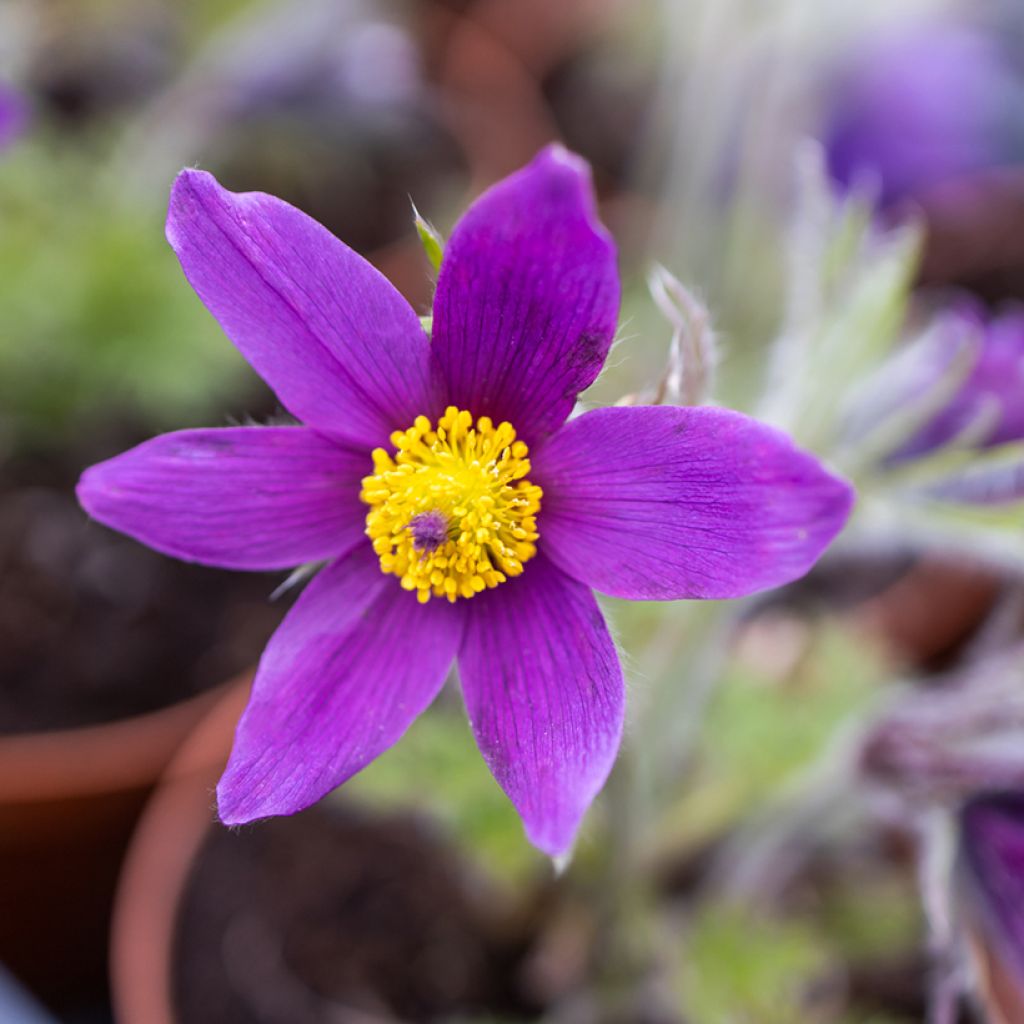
(762, 732)
(871, 914)
(738, 967)
(436, 765)
(96, 319)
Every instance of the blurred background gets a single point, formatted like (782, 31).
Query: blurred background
(412, 895)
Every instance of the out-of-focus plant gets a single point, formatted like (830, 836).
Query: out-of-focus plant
(990, 898)
(93, 315)
(918, 404)
(961, 735)
(949, 757)
(923, 105)
(919, 409)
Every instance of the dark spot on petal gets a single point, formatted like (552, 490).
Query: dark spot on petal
(584, 360)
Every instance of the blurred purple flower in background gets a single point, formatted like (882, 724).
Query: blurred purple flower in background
(922, 107)
(991, 896)
(991, 398)
(409, 467)
(13, 116)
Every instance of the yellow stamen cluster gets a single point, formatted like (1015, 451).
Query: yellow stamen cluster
(451, 512)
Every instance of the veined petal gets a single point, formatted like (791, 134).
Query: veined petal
(544, 692)
(355, 661)
(237, 498)
(661, 503)
(527, 297)
(342, 349)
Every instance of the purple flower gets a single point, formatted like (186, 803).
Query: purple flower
(991, 890)
(459, 513)
(13, 116)
(921, 108)
(991, 398)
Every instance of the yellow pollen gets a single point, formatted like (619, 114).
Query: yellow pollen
(451, 512)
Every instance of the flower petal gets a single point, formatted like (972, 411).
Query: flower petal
(544, 692)
(352, 665)
(238, 498)
(341, 348)
(527, 297)
(992, 395)
(663, 503)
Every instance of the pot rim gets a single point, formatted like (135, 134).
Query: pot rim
(87, 760)
(156, 867)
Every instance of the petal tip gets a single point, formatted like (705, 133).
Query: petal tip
(234, 808)
(85, 489)
(186, 191)
(561, 862)
(564, 169)
(95, 490)
(568, 171)
(555, 839)
(559, 155)
(190, 178)
(841, 502)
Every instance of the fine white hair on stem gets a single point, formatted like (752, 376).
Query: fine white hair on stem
(693, 353)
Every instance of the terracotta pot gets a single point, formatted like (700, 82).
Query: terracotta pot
(490, 59)
(69, 801)
(435, 928)
(166, 841)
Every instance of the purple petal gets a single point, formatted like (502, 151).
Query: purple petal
(238, 498)
(662, 503)
(994, 478)
(527, 297)
(994, 387)
(992, 882)
(352, 665)
(544, 693)
(341, 348)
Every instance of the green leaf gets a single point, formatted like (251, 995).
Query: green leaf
(430, 238)
(849, 284)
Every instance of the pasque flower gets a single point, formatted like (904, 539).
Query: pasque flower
(461, 514)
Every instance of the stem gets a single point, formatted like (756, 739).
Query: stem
(686, 675)
(934, 865)
(651, 765)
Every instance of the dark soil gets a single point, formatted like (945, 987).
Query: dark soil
(331, 916)
(95, 627)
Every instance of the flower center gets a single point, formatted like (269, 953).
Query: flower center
(451, 512)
